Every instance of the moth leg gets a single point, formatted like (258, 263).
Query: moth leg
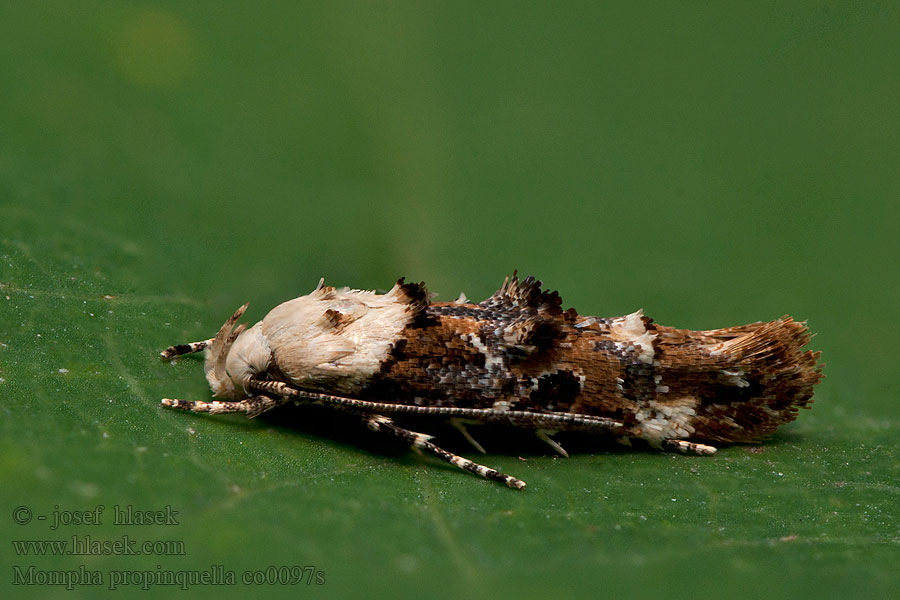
(687, 447)
(544, 435)
(420, 442)
(251, 406)
(460, 424)
(179, 349)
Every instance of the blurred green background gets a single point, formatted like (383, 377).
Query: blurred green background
(162, 163)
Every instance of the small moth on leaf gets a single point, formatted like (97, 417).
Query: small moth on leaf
(517, 359)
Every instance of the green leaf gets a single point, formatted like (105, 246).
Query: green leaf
(160, 166)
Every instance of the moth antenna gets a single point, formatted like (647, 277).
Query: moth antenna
(321, 284)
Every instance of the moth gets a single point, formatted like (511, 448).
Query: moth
(516, 359)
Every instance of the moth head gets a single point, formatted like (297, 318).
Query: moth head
(235, 356)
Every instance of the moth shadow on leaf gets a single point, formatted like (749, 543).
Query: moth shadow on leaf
(330, 427)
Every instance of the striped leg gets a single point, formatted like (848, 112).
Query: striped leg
(179, 349)
(420, 442)
(251, 406)
(687, 447)
(460, 425)
(544, 435)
